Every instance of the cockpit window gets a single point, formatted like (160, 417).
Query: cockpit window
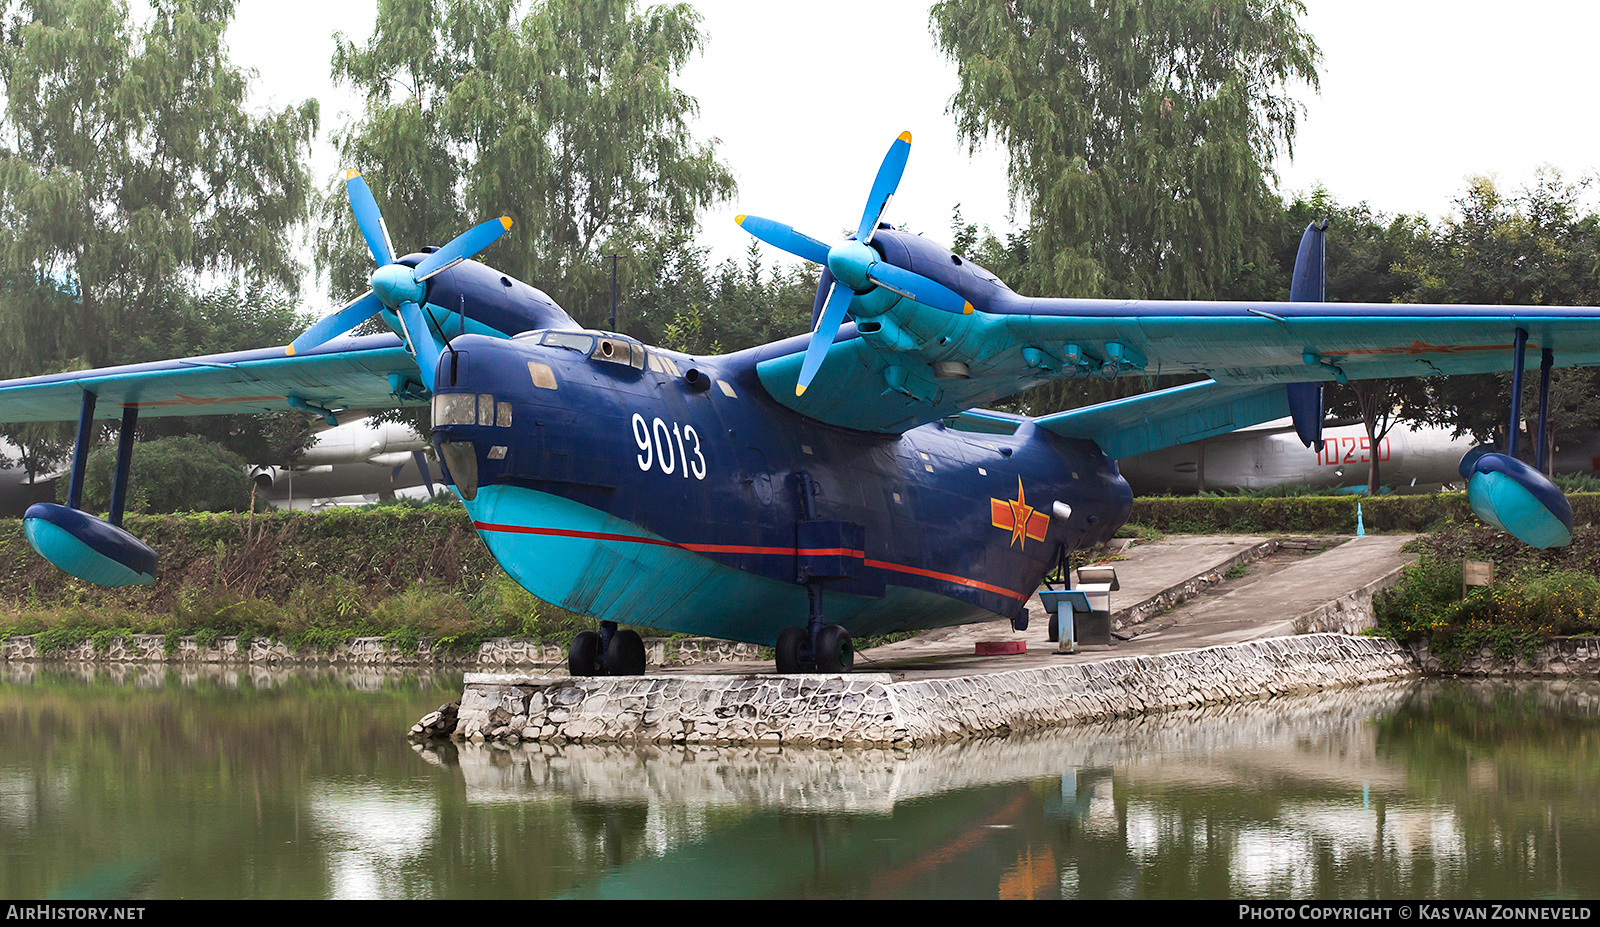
(576, 341)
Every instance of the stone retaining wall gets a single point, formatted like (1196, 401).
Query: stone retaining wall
(363, 651)
(1562, 656)
(1178, 593)
(873, 709)
(1351, 613)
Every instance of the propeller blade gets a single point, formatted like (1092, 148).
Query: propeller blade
(427, 474)
(884, 185)
(920, 288)
(368, 218)
(462, 247)
(822, 336)
(338, 322)
(421, 341)
(783, 236)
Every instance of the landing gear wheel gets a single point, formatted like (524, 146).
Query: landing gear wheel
(791, 643)
(835, 653)
(1055, 629)
(625, 656)
(583, 655)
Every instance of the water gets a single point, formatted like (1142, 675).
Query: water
(258, 784)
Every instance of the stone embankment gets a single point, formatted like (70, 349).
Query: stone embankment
(874, 709)
(1561, 656)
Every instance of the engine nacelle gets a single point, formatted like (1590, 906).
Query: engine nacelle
(1512, 496)
(89, 548)
(264, 477)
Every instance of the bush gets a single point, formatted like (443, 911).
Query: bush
(1319, 514)
(187, 474)
(1537, 595)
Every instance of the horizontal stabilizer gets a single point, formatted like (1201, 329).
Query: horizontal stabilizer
(1168, 417)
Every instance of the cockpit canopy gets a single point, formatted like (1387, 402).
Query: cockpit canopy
(598, 346)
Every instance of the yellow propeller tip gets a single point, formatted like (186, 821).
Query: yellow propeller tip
(289, 350)
(739, 219)
(966, 308)
(505, 221)
(799, 390)
(905, 137)
(351, 174)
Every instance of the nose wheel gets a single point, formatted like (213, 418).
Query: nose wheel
(611, 652)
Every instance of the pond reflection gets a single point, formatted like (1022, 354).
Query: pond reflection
(231, 784)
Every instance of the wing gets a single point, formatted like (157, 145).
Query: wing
(348, 373)
(907, 364)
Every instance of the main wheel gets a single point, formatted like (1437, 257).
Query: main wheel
(583, 654)
(625, 656)
(835, 653)
(791, 643)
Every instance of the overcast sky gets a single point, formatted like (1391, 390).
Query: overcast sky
(803, 100)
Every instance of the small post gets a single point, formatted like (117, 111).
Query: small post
(1476, 573)
(613, 259)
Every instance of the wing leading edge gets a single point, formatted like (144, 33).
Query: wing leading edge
(350, 373)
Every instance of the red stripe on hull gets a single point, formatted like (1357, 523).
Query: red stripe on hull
(740, 549)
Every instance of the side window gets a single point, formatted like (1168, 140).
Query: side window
(543, 376)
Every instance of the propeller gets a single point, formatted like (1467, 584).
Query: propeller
(856, 267)
(422, 467)
(395, 286)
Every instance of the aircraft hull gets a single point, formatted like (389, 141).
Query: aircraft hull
(636, 496)
(596, 564)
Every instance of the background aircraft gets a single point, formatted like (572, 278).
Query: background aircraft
(1411, 459)
(821, 486)
(361, 458)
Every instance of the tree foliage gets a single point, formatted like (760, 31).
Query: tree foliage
(1538, 247)
(1141, 133)
(185, 474)
(564, 117)
(132, 181)
(130, 174)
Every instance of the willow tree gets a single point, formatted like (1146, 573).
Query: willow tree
(132, 178)
(1141, 133)
(565, 118)
(144, 212)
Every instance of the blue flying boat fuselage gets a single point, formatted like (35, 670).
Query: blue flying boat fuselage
(648, 487)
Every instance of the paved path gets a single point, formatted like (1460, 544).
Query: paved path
(1263, 603)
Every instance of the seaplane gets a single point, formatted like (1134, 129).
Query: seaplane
(804, 493)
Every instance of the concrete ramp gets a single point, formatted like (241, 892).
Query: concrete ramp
(1328, 591)
(1177, 594)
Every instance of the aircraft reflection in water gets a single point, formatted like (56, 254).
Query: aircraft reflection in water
(1302, 797)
